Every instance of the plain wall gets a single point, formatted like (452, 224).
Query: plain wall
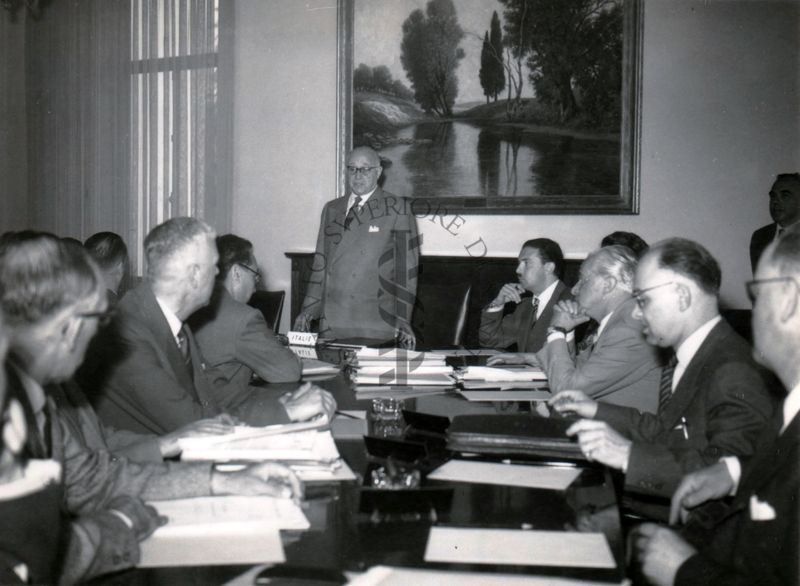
(720, 117)
(13, 144)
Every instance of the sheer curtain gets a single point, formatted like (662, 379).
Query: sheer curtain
(127, 122)
(178, 121)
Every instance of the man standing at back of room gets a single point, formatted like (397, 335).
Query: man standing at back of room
(540, 264)
(784, 207)
(364, 277)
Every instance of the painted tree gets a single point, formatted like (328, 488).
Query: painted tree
(486, 72)
(430, 52)
(496, 44)
(565, 43)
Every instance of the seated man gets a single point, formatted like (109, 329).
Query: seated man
(540, 265)
(756, 539)
(633, 241)
(713, 398)
(784, 207)
(233, 337)
(52, 297)
(110, 253)
(148, 374)
(619, 367)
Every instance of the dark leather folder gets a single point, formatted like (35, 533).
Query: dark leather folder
(514, 435)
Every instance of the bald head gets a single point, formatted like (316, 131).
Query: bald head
(363, 170)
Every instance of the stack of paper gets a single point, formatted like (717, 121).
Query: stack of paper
(312, 453)
(314, 367)
(221, 530)
(500, 374)
(400, 367)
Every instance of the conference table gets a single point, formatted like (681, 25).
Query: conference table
(355, 526)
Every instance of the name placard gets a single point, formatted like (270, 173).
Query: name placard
(302, 338)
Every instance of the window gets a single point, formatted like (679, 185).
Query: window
(178, 161)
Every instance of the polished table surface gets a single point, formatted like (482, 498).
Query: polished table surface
(354, 526)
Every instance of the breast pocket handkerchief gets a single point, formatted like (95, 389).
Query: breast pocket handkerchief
(761, 510)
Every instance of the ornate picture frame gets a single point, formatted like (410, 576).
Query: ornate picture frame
(540, 154)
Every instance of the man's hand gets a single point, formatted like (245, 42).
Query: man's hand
(405, 335)
(509, 292)
(710, 483)
(601, 443)
(574, 402)
(661, 553)
(307, 402)
(568, 314)
(302, 323)
(263, 479)
(219, 425)
(513, 358)
(141, 518)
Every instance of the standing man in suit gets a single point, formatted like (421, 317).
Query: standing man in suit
(618, 366)
(784, 207)
(756, 539)
(713, 398)
(147, 374)
(364, 277)
(539, 269)
(234, 337)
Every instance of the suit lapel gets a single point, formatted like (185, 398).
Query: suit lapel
(165, 341)
(690, 382)
(770, 458)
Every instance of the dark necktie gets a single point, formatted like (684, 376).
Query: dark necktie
(665, 386)
(589, 338)
(183, 345)
(535, 309)
(780, 231)
(351, 214)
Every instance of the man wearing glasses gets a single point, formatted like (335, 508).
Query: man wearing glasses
(757, 537)
(713, 398)
(364, 277)
(235, 339)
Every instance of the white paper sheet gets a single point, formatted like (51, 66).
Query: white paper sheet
(547, 477)
(253, 546)
(518, 547)
(302, 445)
(221, 530)
(386, 576)
(525, 395)
(499, 374)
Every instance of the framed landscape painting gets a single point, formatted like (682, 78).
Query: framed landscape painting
(495, 106)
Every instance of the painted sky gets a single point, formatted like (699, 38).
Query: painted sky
(380, 45)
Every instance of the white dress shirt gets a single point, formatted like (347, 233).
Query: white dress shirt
(689, 348)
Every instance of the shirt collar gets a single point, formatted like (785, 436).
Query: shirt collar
(545, 297)
(691, 345)
(364, 198)
(791, 405)
(603, 323)
(175, 324)
(34, 391)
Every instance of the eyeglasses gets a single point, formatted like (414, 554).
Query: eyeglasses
(360, 170)
(753, 287)
(256, 274)
(638, 294)
(103, 317)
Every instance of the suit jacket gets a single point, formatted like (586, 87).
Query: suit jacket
(360, 285)
(92, 477)
(73, 405)
(135, 375)
(621, 368)
(724, 399)
(756, 544)
(501, 331)
(235, 342)
(760, 239)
